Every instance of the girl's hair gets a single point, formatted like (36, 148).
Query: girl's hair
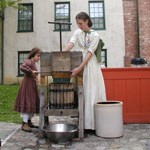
(33, 52)
(84, 16)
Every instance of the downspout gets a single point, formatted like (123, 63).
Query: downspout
(2, 77)
(138, 30)
(138, 60)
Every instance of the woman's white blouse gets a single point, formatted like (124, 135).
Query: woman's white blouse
(87, 41)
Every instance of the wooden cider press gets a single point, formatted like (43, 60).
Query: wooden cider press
(65, 98)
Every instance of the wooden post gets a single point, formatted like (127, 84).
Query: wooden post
(43, 81)
(42, 101)
(80, 106)
(42, 104)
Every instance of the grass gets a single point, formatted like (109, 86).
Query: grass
(7, 98)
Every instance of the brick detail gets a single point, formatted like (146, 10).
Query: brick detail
(131, 32)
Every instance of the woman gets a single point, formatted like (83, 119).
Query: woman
(27, 101)
(93, 83)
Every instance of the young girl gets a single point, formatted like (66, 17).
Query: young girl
(93, 83)
(27, 100)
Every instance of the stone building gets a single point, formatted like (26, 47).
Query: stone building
(115, 21)
(28, 28)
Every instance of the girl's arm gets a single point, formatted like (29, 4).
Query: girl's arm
(84, 62)
(25, 67)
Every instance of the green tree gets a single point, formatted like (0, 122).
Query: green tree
(4, 4)
(8, 3)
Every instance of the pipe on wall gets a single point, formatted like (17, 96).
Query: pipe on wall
(138, 60)
(138, 29)
(2, 52)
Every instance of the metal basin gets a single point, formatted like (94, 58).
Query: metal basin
(60, 132)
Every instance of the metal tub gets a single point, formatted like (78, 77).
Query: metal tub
(60, 132)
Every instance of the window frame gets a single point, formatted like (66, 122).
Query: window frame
(103, 18)
(62, 29)
(104, 57)
(19, 64)
(25, 5)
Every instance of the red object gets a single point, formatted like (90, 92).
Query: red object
(132, 87)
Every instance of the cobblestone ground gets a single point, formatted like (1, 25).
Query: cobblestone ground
(136, 137)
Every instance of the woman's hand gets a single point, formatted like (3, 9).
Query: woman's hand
(75, 71)
(84, 62)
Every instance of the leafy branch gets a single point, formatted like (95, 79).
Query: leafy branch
(8, 3)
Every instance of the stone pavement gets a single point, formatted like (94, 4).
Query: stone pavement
(136, 137)
(7, 130)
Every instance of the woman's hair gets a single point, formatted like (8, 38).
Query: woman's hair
(33, 52)
(84, 16)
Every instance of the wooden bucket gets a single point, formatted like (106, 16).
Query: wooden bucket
(61, 77)
(61, 96)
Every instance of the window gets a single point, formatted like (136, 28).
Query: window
(22, 55)
(62, 14)
(25, 18)
(96, 11)
(104, 57)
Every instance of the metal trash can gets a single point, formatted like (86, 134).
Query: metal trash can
(108, 119)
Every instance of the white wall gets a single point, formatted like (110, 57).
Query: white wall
(44, 37)
(114, 35)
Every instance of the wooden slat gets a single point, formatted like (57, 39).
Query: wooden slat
(43, 80)
(76, 59)
(81, 110)
(61, 112)
(79, 80)
(145, 96)
(60, 61)
(42, 105)
(60, 95)
(133, 96)
(61, 66)
(60, 56)
(45, 63)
